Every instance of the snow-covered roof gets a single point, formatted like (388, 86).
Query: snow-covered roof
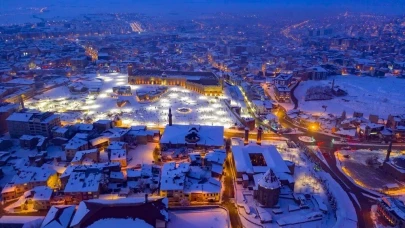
(22, 117)
(351, 132)
(118, 155)
(26, 220)
(105, 209)
(83, 182)
(269, 180)
(81, 154)
(42, 193)
(128, 222)
(271, 156)
(58, 217)
(216, 156)
(207, 187)
(172, 177)
(209, 135)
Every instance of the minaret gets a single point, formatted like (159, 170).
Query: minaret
(389, 151)
(130, 70)
(22, 102)
(170, 117)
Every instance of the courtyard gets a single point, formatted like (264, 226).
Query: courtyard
(99, 102)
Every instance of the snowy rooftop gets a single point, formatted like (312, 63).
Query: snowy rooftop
(58, 217)
(209, 135)
(42, 193)
(17, 116)
(20, 220)
(216, 156)
(118, 155)
(173, 177)
(118, 208)
(272, 159)
(75, 143)
(128, 222)
(84, 182)
(269, 180)
(79, 156)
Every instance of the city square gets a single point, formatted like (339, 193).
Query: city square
(187, 106)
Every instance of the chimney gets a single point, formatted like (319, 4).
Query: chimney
(389, 151)
(246, 136)
(170, 117)
(146, 198)
(259, 136)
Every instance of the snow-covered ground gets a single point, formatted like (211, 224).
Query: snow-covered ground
(141, 154)
(370, 95)
(204, 218)
(307, 181)
(306, 139)
(204, 110)
(354, 165)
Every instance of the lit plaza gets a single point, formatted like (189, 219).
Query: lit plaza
(100, 101)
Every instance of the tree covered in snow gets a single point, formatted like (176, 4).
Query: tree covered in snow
(319, 93)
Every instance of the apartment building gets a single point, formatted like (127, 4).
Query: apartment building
(23, 123)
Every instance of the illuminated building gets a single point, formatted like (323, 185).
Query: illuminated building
(21, 123)
(205, 83)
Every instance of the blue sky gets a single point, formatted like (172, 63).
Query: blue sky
(380, 6)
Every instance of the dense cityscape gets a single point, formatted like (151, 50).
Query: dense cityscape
(215, 119)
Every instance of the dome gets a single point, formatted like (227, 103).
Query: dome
(269, 180)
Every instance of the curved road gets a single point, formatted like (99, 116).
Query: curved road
(361, 203)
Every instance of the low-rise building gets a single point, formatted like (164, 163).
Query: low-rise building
(254, 159)
(194, 136)
(58, 216)
(172, 180)
(22, 123)
(78, 143)
(283, 79)
(83, 185)
(29, 178)
(282, 93)
(392, 210)
(6, 109)
(119, 156)
(144, 212)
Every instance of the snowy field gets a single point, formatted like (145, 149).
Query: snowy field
(84, 107)
(208, 218)
(379, 96)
